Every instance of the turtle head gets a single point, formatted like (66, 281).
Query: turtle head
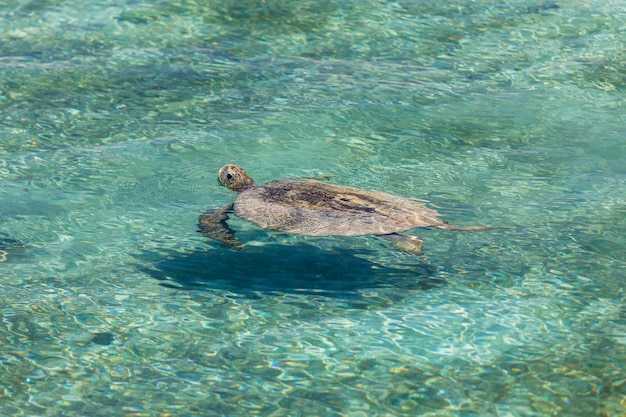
(234, 178)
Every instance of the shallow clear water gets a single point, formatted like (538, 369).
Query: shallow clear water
(115, 116)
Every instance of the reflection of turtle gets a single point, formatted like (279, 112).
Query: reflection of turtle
(313, 208)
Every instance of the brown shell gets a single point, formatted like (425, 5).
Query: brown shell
(313, 208)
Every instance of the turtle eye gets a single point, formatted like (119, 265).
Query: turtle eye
(229, 177)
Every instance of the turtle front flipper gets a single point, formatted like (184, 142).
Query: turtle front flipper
(213, 224)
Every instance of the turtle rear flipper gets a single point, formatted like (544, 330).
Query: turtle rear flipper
(406, 243)
(213, 224)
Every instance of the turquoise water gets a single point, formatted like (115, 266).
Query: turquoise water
(116, 115)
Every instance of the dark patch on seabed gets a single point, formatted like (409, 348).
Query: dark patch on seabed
(11, 248)
(285, 269)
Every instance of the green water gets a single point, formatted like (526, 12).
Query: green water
(115, 116)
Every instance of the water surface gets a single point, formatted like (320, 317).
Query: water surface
(116, 115)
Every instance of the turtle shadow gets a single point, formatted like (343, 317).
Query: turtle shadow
(277, 269)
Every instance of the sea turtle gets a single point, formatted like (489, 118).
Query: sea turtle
(314, 208)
